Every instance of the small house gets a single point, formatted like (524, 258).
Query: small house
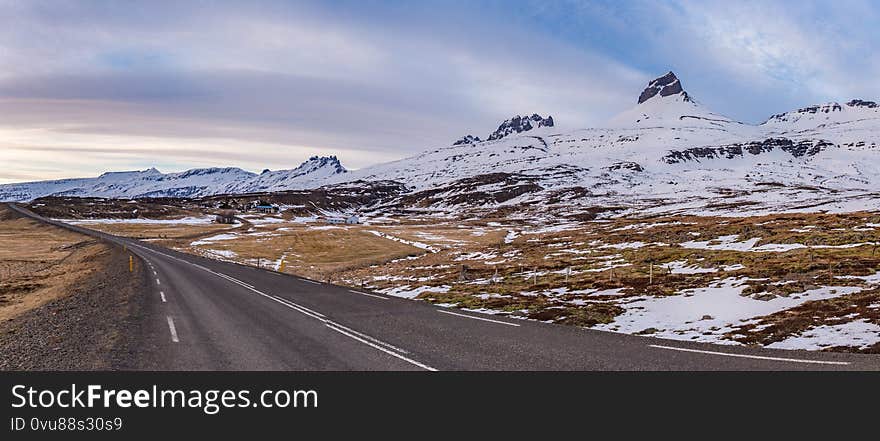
(351, 220)
(266, 207)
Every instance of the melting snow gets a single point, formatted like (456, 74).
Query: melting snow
(859, 333)
(186, 221)
(408, 293)
(706, 314)
(216, 238)
(421, 245)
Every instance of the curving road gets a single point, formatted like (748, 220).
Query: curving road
(210, 315)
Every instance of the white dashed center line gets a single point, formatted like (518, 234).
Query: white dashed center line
(173, 330)
(162, 295)
(348, 332)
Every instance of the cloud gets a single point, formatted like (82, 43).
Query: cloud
(787, 51)
(295, 79)
(266, 84)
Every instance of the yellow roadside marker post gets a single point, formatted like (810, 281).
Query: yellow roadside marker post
(130, 264)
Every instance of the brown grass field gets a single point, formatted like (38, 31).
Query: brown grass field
(39, 263)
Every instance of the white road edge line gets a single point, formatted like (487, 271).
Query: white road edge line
(365, 336)
(162, 295)
(756, 357)
(173, 330)
(297, 306)
(389, 352)
(310, 281)
(368, 294)
(478, 318)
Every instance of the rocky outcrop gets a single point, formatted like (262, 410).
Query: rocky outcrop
(731, 151)
(666, 85)
(467, 139)
(519, 124)
(862, 103)
(810, 110)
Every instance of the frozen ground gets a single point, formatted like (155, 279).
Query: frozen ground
(707, 314)
(859, 333)
(205, 220)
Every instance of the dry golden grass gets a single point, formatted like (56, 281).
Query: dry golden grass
(39, 263)
(159, 231)
(315, 253)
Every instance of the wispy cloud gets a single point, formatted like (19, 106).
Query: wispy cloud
(90, 86)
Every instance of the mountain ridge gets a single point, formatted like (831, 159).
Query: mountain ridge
(668, 147)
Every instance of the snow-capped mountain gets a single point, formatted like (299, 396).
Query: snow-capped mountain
(666, 105)
(309, 174)
(190, 183)
(668, 152)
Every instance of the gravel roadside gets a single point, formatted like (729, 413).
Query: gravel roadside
(89, 329)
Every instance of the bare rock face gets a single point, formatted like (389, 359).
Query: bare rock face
(467, 139)
(862, 103)
(664, 86)
(797, 149)
(519, 124)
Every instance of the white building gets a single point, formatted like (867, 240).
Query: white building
(353, 219)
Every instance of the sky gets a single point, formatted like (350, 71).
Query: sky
(93, 86)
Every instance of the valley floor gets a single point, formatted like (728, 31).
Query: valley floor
(792, 281)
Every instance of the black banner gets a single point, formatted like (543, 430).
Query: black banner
(116, 405)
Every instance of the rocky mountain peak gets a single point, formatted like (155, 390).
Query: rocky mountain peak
(316, 162)
(519, 124)
(467, 139)
(665, 85)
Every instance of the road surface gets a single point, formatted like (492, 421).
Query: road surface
(205, 314)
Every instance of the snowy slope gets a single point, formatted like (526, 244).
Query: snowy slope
(190, 183)
(670, 148)
(309, 174)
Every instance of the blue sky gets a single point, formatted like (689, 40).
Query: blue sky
(92, 86)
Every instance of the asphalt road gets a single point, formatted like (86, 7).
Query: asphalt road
(212, 315)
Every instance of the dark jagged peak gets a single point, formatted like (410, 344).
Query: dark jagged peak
(519, 124)
(319, 162)
(468, 139)
(666, 85)
(862, 103)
